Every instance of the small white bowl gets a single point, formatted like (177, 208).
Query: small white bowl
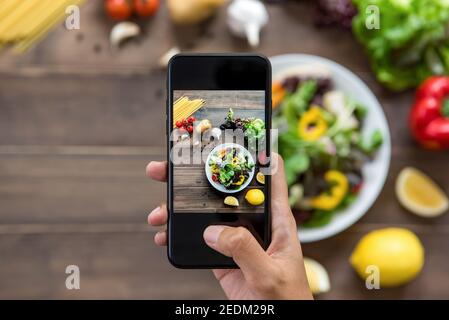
(374, 172)
(219, 186)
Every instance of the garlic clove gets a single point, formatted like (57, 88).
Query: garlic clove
(216, 133)
(122, 31)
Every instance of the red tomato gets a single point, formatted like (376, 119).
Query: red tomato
(190, 128)
(191, 120)
(214, 177)
(118, 9)
(356, 188)
(178, 124)
(146, 8)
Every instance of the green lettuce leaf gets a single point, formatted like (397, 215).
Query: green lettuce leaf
(411, 42)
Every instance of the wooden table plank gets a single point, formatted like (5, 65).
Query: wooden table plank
(112, 266)
(205, 199)
(76, 189)
(225, 99)
(82, 110)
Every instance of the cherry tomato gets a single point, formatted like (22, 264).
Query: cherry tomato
(184, 122)
(357, 187)
(191, 120)
(178, 124)
(190, 128)
(118, 9)
(214, 177)
(146, 8)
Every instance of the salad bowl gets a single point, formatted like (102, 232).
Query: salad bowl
(224, 164)
(375, 171)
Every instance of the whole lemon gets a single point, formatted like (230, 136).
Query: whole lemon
(397, 253)
(255, 197)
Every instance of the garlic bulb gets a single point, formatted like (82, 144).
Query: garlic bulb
(204, 125)
(246, 18)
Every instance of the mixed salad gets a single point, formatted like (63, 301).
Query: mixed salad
(321, 141)
(230, 167)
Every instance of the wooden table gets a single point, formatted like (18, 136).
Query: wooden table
(78, 125)
(192, 191)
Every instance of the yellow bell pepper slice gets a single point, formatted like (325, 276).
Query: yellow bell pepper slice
(240, 181)
(333, 197)
(312, 125)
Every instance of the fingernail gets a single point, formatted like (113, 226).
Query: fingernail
(147, 168)
(155, 210)
(212, 233)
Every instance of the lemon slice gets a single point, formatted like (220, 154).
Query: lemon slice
(231, 201)
(260, 177)
(316, 276)
(419, 194)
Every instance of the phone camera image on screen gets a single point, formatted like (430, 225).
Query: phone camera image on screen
(219, 140)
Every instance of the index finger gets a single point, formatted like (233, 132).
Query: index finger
(281, 216)
(157, 170)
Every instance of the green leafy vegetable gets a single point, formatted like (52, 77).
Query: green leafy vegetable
(295, 165)
(255, 128)
(298, 102)
(370, 145)
(230, 115)
(360, 111)
(411, 42)
(319, 218)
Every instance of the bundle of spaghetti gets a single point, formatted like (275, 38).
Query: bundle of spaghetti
(184, 107)
(24, 22)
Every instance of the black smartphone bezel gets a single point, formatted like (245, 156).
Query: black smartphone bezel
(201, 65)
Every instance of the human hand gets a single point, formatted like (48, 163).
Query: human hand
(277, 273)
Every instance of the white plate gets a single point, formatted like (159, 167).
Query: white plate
(218, 186)
(374, 172)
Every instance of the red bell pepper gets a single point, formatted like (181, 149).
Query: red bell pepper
(429, 118)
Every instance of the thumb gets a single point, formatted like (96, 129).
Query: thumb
(239, 244)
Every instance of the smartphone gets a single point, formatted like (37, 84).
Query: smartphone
(218, 130)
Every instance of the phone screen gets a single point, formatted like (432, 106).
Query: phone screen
(215, 168)
(218, 165)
